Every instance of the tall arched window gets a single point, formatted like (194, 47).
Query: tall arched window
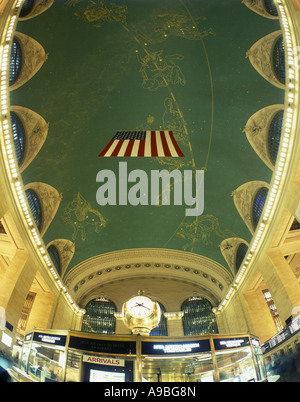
(162, 328)
(18, 133)
(271, 7)
(274, 136)
(258, 205)
(15, 63)
(279, 60)
(35, 206)
(99, 317)
(54, 255)
(198, 317)
(26, 8)
(240, 255)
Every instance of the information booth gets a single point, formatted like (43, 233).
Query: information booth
(70, 356)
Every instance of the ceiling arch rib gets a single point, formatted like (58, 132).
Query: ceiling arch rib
(126, 264)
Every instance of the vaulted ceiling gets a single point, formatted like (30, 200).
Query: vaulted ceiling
(175, 65)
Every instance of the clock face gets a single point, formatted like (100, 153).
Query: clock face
(140, 306)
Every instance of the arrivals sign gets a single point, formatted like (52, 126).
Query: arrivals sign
(106, 361)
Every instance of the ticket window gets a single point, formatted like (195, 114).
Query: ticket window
(46, 363)
(25, 356)
(197, 368)
(236, 365)
(73, 367)
(107, 372)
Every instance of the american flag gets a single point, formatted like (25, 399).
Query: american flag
(142, 143)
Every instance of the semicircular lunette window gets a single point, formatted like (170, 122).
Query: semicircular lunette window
(99, 317)
(15, 63)
(26, 8)
(258, 205)
(198, 317)
(54, 255)
(35, 206)
(271, 7)
(240, 255)
(274, 136)
(279, 60)
(18, 133)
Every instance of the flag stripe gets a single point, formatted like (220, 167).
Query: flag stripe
(141, 151)
(147, 150)
(129, 148)
(178, 150)
(143, 143)
(170, 144)
(118, 147)
(135, 149)
(124, 147)
(111, 149)
(153, 144)
(165, 144)
(106, 148)
(160, 149)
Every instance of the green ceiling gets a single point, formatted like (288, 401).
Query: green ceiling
(104, 74)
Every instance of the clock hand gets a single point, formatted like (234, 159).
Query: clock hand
(142, 304)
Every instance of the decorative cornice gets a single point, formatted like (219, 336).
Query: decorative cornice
(123, 264)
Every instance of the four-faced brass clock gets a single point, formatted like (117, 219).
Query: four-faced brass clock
(141, 314)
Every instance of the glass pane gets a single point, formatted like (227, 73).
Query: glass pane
(197, 368)
(275, 135)
(73, 367)
(258, 205)
(99, 317)
(236, 366)
(46, 364)
(198, 317)
(15, 62)
(279, 60)
(24, 358)
(271, 7)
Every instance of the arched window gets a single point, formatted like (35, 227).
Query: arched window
(274, 135)
(99, 317)
(162, 328)
(240, 255)
(279, 60)
(15, 63)
(35, 207)
(54, 255)
(26, 8)
(198, 317)
(258, 205)
(271, 7)
(18, 133)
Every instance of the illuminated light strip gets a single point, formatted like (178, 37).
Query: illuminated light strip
(284, 151)
(8, 151)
